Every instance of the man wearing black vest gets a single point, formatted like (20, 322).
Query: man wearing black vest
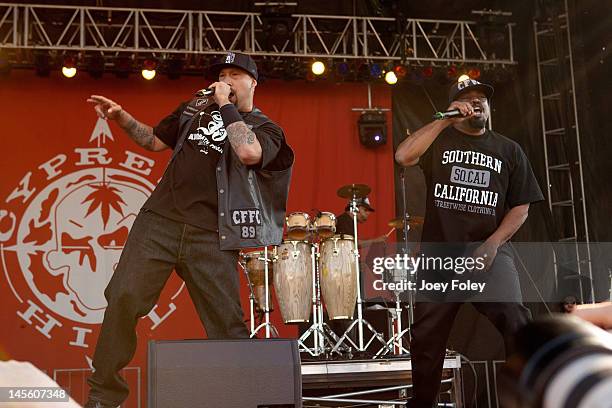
(479, 188)
(225, 188)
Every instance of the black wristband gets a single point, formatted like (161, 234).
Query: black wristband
(230, 114)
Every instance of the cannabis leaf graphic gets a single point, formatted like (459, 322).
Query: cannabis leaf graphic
(104, 197)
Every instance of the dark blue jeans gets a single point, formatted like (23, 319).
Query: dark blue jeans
(156, 245)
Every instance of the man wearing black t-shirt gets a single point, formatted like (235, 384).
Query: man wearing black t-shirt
(479, 187)
(344, 221)
(225, 187)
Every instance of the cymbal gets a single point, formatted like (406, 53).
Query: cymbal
(414, 221)
(354, 191)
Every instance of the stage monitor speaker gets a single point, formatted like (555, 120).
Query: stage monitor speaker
(224, 374)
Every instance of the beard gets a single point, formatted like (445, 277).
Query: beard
(477, 123)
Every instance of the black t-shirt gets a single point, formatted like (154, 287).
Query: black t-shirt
(187, 191)
(344, 224)
(472, 181)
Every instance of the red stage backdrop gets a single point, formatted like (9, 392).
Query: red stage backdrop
(61, 235)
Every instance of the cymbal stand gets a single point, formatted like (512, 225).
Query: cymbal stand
(266, 323)
(396, 343)
(406, 250)
(360, 322)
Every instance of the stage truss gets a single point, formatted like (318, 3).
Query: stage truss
(164, 32)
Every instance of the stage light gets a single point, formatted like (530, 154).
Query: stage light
(277, 23)
(463, 77)
(474, 73)
(5, 65)
(95, 67)
(174, 67)
(293, 69)
(69, 67)
(391, 78)
(148, 74)
(451, 72)
(362, 71)
(69, 72)
(317, 68)
(342, 69)
(375, 70)
(427, 72)
(372, 129)
(400, 71)
(149, 69)
(123, 66)
(41, 64)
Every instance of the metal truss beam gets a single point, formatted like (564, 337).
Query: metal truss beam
(113, 30)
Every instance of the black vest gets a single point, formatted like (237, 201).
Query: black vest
(252, 201)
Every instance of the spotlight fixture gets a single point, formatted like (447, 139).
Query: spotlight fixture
(451, 72)
(427, 72)
(474, 73)
(41, 64)
(277, 23)
(95, 66)
(391, 78)
(5, 65)
(149, 69)
(318, 68)
(69, 67)
(362, 71)
(372, 129)
(342, 69)
(400, 71)
(174, 67)
(375, 70)
(123, 66)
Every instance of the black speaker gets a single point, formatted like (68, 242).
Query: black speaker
(224, 374)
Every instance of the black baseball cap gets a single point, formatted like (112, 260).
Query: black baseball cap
(362, 202)
(234, 59)
(468, 85)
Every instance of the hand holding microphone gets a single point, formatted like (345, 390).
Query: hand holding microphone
(206, 92)
(457, 110)
(220, 92)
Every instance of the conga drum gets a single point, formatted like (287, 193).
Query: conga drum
(255, 267)
(338, 276)
(293, 280)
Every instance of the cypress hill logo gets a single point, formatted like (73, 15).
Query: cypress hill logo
(62, 230)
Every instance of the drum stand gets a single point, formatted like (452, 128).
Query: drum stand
(395, 344)
(360, 322)
(322, 333)
(251, 298)
(266, 323)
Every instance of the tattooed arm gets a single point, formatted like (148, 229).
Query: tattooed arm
(244, 143)
(139, 132)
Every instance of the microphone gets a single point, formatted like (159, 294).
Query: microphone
(206, 92)
(455, 113)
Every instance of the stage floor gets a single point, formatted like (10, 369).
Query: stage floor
(381, 380)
